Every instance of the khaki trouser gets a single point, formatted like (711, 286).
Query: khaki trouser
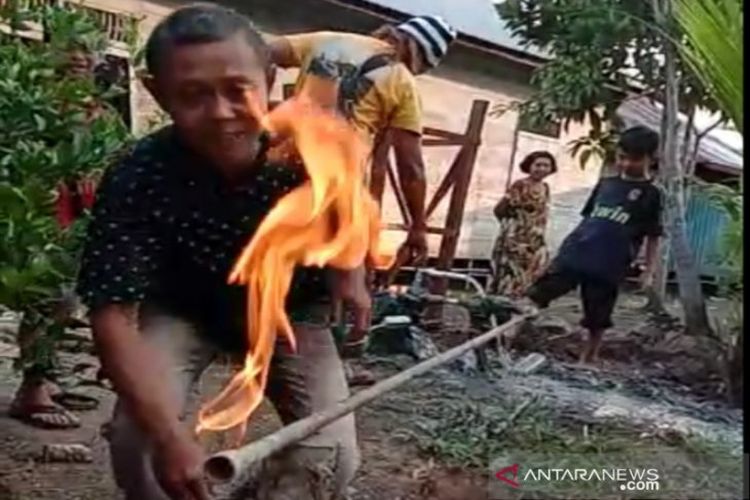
(299, 384)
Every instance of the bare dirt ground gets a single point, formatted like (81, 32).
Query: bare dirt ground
(433, 438)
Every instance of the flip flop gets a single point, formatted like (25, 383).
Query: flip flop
(45, 416)
(75, 401)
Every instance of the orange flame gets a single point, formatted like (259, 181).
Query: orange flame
(331, 220)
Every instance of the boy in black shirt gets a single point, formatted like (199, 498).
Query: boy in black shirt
(619, 215)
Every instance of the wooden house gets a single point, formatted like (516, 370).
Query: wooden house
(485, 63)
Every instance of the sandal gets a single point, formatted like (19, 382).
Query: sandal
(45, 416)
(356, 376)
(75, 401)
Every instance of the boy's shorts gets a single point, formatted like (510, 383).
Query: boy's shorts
(598, 296)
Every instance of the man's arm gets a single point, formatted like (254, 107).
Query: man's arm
(135, 370)
(121, 254)
(405, 127)
(407, 147)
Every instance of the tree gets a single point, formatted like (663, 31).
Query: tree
(607, 51)
(47, 137)
(713, 30)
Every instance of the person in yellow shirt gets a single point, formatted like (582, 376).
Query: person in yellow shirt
(376, 91)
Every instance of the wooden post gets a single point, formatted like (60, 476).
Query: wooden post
(513, 152)
(455, 215)
(287, 90)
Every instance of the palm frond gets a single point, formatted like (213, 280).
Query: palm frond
(713, 29)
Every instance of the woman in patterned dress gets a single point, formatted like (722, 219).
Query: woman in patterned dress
(520, 252)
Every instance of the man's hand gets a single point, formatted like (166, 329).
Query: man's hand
(350, 287)
(414, 249)
(178, 465)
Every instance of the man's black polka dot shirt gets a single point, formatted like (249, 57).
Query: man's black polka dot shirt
(167, 229)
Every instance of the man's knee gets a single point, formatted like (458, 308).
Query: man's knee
(310, 472)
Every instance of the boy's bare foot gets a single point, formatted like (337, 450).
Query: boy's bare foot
(588, 359)
(590, 355)
(33, 405)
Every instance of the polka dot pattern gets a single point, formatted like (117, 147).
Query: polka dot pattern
(167, 227)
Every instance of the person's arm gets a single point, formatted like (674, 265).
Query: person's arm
(134, 369)
(405, 127)
(511, 199)
(121, 254)
(501, 208)
(407, 147)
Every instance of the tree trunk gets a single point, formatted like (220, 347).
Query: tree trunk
(688, 277)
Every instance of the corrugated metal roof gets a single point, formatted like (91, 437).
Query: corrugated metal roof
(715, 148)
(475, 18)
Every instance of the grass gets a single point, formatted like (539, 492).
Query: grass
(473, 435)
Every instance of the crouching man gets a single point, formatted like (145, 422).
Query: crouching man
(170, 219)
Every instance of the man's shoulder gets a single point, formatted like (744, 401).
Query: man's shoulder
(141, 164)
(155, 147)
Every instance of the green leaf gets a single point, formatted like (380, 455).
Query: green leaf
(585, 157)
(41, 124)
(714, 30)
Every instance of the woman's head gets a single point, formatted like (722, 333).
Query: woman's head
(78, 62)
(202, 61)
(539, 165)
(420, 43)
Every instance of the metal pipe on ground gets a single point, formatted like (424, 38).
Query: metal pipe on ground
(228, 465)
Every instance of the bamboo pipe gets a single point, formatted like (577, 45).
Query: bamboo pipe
(227, 465)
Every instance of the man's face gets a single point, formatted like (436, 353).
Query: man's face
(204, 87)
(407, 51)
(632, 166)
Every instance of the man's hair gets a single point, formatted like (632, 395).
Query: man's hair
(639, 141)
(201, 23)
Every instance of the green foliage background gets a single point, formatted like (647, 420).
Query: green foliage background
(44, 139)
